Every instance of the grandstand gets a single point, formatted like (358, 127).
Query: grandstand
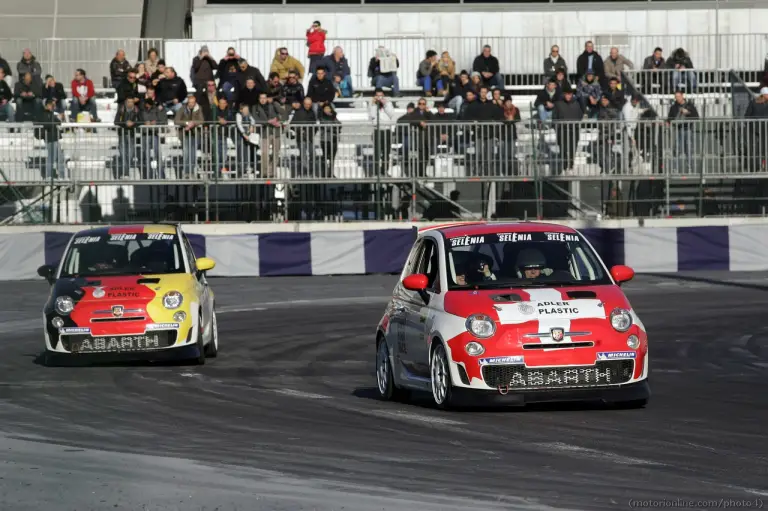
(544, 178)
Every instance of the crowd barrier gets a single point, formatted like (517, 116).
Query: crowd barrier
(521, 59)
(687, 146)
(384, 251)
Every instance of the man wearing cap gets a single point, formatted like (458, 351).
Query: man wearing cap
(203, 66)
(316, 45)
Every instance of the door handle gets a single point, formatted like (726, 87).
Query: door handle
(399, 310)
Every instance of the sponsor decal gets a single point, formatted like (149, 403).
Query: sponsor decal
(82, 240)
(547, 308)
(561, 236)
(463, 241)
(122, 237)
(160, 236)
(517, 359)
(99, 292)
(557, 334)
(162, 326)
(526, 309)
(554, 376)
(123, 294)
(75, 330)
(512, 237)
(613, 355)
(128, 343)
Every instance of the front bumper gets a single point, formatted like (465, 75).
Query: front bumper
(184, 352)
(638, 390)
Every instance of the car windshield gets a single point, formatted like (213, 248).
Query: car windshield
(123, 254)
(522, 259)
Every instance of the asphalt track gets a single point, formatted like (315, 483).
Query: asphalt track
(286, 418)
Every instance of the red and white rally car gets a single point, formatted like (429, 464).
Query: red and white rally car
(511, 314)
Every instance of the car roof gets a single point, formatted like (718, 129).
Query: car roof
(129, 229)
(481, 228)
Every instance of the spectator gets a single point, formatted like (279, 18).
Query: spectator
(496, 98)
(316, 45)
(151, 93)
(222, 71)
(274, 87)
(304, 119)
(382, 69)
(545, 101)
(203, 67)
(6, 70)
(247, 71)
(477, 82)
(602, 147)
(28, 64)
(459, 92)
(756, 138)
(293, 90)
(567, 114)
(172, 91)
(249, 96)
(655, 63)
(483, 110)
(320, 89)
(338, 69)
(508, 147)
(151, 118)
(118, 68)
(589, 94)
(82, 97)
(427, 74)
(616, 64)
(330, 131)
(228, 82)
(631, 112)
(554, 62)
(282, 63)
(55, 91)
(143, 78)
(27, 96)
(382, 114)
(683, 75)
(415, 138)
(615, 94)
(189, 119)
(681, 115)
(562, 80)
(127, 119)
(246, 128)
(152, 61)
(7, 113)
(51, 134)
(590, 59)
(128, 88)
(446, 68)
(764, 81)
(159, 73)
(267, 118)
(225, 117)
(488, 67)
(208, 100)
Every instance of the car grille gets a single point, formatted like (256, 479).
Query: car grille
(118, 343)
(519, 377)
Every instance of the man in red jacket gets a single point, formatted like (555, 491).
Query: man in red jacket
(82, 96)
(316, 44)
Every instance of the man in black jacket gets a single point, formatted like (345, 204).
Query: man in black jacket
(246, 71)
(458, 92)
(293, 90)
(682, 116)
(171, 91)
(127, 120)
(128, 88)
(321, 89)
(546, 99)
(488, 67)
(7, 112)
(151, 118)
(590, 59)
(567, 116)
(52, 135)
(224, 116)
(304, 122)
(489, 115)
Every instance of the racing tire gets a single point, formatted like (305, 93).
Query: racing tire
(385, 380)
(440, 378)
(50, 359)
(633, 404)
(200, 359)
(212, 348)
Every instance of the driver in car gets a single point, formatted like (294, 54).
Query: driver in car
(480, 271)
(532, 264)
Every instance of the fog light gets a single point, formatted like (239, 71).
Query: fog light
(474, 348)
(633, 342)
(180, 316)
(57, 322)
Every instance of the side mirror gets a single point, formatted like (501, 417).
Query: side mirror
(416, 282)
(621, 273)
(47, 272)
(204, 264)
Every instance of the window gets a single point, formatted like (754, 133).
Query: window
(429, 263)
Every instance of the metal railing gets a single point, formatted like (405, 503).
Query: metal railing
(521, 59)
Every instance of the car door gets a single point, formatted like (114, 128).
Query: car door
(201, 285)
(397, 319)
(418, 310)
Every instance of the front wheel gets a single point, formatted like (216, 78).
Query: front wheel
(212, 348)
(200, 359)
(442, 387)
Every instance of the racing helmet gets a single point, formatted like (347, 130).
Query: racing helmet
(530, 259)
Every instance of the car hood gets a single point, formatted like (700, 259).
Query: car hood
(124, 288)
(519, 306)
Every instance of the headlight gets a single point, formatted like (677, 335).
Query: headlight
(621, 320)
(172, 300)
(64, 305)
(474, 348)
(180, 316)
(481, 326)
(633, 341)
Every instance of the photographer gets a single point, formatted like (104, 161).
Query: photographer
(382, 114)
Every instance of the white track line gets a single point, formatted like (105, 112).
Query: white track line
(593, 453)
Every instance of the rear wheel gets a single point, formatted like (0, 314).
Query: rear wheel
(212, 348)
(200, 359)
(442, 386)
(388, 391)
